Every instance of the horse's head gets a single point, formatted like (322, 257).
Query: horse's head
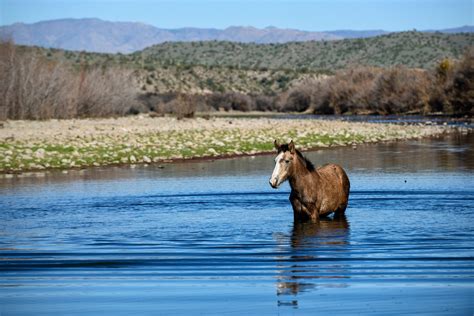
(283, 162)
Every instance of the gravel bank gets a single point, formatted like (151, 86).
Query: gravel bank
(63, 144)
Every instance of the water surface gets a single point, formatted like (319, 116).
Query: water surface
(214, 238)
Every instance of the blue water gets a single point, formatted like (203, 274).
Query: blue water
(214, 238)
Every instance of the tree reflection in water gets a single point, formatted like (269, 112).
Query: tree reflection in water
(315, 258)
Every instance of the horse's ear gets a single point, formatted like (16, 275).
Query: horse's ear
(291, 147)
(276, 144)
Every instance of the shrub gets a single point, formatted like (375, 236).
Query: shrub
(459, 88)
(33, 87)
(105, 93)
(366, 90)
(400, 90)
(452, 91)
(264, 103)
(298, 100)
(230, 101)
(239, 101)
(218, 101)
(183, 106)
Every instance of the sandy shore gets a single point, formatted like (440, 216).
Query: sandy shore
(63, 144)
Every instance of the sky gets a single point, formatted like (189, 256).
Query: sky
(316, 15)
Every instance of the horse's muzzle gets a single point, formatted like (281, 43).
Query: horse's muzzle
(274, 183)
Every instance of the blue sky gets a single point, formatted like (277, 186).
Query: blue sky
(316, 15)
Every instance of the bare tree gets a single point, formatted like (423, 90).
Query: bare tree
(36, 88)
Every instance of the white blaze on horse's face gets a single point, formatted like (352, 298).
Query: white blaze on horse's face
(281, 171)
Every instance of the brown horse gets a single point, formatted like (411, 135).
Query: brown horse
(315, 192)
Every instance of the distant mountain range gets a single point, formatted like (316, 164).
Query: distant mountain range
(95, 35)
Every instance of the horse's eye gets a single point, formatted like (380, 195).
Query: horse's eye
(287, 161)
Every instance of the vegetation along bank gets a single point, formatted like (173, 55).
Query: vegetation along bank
(398, 73)
(64, 144)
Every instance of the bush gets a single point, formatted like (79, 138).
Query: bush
(33, 87)
(400, 90)
(264, 103)
(397, 90)
(105, 93)
(459, 88)
(239, 101)
(183, 106)
(298, 100)
(230, 101)
(218, 101)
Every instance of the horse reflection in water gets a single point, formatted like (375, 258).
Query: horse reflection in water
(314, 258)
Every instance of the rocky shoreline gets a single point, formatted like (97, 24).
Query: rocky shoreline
(66, 144)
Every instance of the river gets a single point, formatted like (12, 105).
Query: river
(212, 237)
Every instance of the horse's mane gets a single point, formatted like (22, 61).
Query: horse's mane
(309, 165)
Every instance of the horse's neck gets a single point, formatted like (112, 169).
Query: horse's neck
(300, 177)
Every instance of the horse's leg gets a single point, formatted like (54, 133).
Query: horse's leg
(300, 212)
(340, 212)
(314, 216)
(297, 207)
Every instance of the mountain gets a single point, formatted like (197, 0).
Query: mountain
(86, 34)
(462, 29)
(95, 35)
(356, 34)
(372, 33)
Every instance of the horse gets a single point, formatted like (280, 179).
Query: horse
(315, 192)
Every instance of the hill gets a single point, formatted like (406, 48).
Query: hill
(95, 35)
(412, 49)
(267, 68)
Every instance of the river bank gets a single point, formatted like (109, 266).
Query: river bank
(65, 144)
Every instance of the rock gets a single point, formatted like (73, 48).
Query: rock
(34, 166)
(39, 153)
(133, 159)
(146, 159)
(218, 143)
